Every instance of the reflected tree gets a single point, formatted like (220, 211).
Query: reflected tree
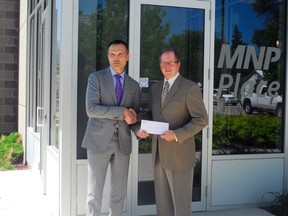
(107, 22)
(156, 34)
(189, 44)
(96, 30)
(273, 35)
(236, 41)
(153, 33)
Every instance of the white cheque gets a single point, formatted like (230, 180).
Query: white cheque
(154, 127)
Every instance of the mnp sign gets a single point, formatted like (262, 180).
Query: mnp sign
(244, 54)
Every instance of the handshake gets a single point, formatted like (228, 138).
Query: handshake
(130, 116)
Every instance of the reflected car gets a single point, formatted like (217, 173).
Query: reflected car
(229, 98)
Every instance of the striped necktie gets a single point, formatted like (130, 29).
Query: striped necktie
(164, 91)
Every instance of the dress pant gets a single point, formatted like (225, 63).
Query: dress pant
(97, 169)
(173, 190)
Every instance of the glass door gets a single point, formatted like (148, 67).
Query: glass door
(185, 26)
(43, 91)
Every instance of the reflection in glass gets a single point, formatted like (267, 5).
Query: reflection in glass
(182, 29)
(246, 119)
(55, 78)
(31, 119)
(100, 21)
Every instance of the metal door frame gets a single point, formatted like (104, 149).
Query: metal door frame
(134, 65)
(43, 113)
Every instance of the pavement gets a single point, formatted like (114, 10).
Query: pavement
(21, 194)
(236, 212)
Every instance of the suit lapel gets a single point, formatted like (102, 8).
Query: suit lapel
(158, 93)
(125, 88)
(110, 84)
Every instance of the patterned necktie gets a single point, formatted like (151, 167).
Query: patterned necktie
(164, 91)
(118, 88)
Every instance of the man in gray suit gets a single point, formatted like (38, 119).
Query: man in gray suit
(112, 101)
(178, 101)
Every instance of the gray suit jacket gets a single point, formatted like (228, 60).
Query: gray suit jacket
(186, 114)
(103, 112)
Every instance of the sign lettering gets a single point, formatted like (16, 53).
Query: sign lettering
(226, 81)
(265, 57)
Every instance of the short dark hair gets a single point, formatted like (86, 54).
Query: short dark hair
(169, 50)
(116, 42)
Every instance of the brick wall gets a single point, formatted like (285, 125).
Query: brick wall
(9, 40)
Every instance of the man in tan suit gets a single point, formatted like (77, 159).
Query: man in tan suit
(178, 102)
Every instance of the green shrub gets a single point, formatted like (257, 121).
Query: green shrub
(145, 145)
(11, 151)
(235, 134)
(246, 134)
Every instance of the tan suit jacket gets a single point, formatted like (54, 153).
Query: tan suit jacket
(185, 112)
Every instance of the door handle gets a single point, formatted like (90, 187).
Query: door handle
(41, 117)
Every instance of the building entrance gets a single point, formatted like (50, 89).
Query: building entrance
(184, 26)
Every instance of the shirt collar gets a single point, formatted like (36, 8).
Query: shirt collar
(172, 80)
(114, 73)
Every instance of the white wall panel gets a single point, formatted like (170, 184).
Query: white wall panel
(245, 181)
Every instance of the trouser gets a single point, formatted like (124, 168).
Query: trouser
(97, 169)
(173, 190)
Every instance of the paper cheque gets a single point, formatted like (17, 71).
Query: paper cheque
(154, 127)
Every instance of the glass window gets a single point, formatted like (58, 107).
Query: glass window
(100, 21)
(40, 71)
(249, 77)
(55, 75)
(31, 80)
(31, 5)
(35, 80)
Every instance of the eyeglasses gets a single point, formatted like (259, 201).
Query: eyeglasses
(168, 63)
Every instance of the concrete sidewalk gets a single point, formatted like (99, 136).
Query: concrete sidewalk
(21, 194)
(236, 212)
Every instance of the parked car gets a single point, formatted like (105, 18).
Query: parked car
(263, 102)
(229, 98)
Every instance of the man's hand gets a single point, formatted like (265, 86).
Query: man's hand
(168, 135)
(130, 116)
(142, 134)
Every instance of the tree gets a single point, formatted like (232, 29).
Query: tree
(273, 34)
(236, 41)
(190, 46)
(236, 38)
(96, 30)
(153, 33)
